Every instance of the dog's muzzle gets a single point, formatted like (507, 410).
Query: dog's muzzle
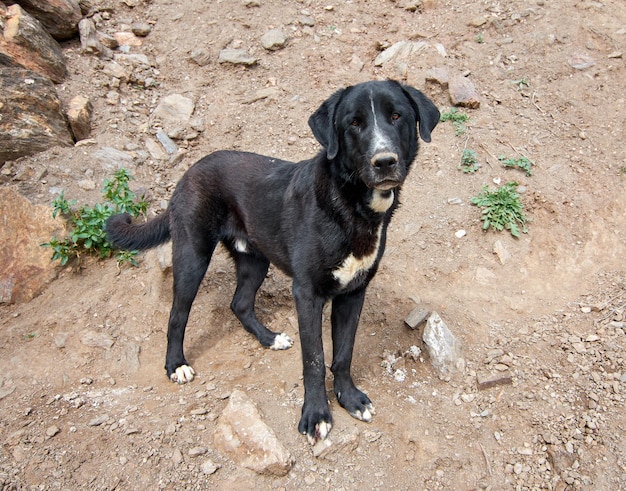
(385, 173)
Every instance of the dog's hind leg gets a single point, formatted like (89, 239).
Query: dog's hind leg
(251, 271)
(189, 268)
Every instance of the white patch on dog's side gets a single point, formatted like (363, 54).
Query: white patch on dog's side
(282, 341)
(352, 265)
(380, 203)
(241, 246)
(183, 374)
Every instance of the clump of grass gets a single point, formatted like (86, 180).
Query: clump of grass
(469, 162)
(87, 237)
(458, 120)
(502, 209)
(521, 163)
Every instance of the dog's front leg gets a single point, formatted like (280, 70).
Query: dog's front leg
(316, 420)
(345, 320)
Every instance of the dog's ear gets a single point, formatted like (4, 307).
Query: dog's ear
(322, 123)
(427, 112)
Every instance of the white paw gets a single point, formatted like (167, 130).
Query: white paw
(183, 374)
(321, 432)
(282, 341)
(365, 415)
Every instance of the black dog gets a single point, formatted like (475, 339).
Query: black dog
(322, 221)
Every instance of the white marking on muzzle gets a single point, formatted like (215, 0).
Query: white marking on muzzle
(379, 141)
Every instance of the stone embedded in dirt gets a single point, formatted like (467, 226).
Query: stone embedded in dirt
(236, 57)
(177, 456)
(90, 40)
(113, 159)
(274, 39)
(400, 51)
(581, 61)
(79, 114)
(486, 381)
(200, 56)
(439, 75)
(463, 92)
(501, 251)
(127, 39)
(196, 451)
(98, 420)
(25, 267)
(115, 70)
(341, 442)
(52, 431)
(416, 317)
(172, 111)
(130, 356)
(141, 29)
(242, 435)
(95, 339)
(443, 348)
(209, 467)
(167, 143)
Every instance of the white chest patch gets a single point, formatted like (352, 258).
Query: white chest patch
(381, 200)
(352, 265)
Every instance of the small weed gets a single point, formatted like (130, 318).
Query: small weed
(88, 236)
(480, 38)
(502, 209)
(522, 83)
(469, 162)
(29, 336)
(522, 163)
(458, 120)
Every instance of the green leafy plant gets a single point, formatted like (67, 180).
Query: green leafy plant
(469, 162)
(458, 120)
(521, 163)
(502, 209)
(522, 83)
(87, 236)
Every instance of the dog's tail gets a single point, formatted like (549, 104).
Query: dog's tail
(124, 234)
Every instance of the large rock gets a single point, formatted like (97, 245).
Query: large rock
(26, 43)
(242, 435)
(59, 17)
(25, 267)
(31, 116)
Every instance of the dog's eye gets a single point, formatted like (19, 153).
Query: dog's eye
(356, 123)
(395, 117)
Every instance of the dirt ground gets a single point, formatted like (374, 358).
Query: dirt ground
(78, 416)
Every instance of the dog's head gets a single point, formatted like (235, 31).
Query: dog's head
(370, 130)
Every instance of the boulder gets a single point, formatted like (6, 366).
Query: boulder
(25, 267)
(24, 42)
(31, 115)
(244, 437)
(59, 17)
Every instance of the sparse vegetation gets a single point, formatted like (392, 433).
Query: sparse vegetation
(469, 162)
(502, 209)
(521, 163)
(458, 120)
(87, 236)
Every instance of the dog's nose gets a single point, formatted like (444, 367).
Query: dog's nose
(384, 161)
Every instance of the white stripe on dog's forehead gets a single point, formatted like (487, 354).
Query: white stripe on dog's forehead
(379, 141)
